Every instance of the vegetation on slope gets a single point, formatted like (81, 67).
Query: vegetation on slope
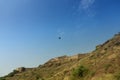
(101, 64)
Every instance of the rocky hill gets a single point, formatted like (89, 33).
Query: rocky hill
(101, 64)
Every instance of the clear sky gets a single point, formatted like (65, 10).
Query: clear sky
(29, 29)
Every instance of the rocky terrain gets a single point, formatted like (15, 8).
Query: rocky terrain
(101, 64)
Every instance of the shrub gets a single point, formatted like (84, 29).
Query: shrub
(107, 66)
(117, 44)
(117, 76)
(40, 79)
(92, 73)
(1, 78)
(80, 72)
(12, 73)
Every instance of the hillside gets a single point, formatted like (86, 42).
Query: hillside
(101, 64)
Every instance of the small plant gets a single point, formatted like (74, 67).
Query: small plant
(80, 72)
(40, 79)
(92, 73)
(117, 76)
(107, 66)
(117, 44)
(1, 78)
(12, 73)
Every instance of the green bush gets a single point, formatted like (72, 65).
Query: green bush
(1, 78)
(40, 79)
(12, 73)
(80, 72)
(117, 76)
(117, 44)
(107, 66)
(92, 73)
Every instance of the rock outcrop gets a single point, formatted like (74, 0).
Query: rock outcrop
(20, 69)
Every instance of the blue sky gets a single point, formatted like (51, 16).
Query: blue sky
(29, 29)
